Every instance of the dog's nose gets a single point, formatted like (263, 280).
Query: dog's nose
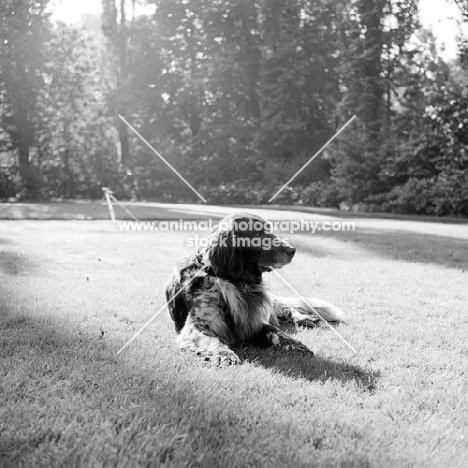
(292, 251)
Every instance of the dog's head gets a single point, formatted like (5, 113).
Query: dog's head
(242, 247)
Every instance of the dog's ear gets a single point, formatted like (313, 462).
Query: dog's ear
(222, 254)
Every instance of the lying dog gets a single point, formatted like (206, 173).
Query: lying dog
(217, 298)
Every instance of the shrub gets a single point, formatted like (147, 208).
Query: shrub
(442, 195)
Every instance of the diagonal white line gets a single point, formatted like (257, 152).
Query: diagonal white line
(311, 159)
(316, 312)
(161, 157)
(124, 208)
(158, 312)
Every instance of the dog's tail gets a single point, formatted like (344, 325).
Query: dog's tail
(313, 307)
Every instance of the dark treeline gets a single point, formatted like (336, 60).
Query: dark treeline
(237, 95)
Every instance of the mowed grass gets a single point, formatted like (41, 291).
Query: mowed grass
(72, 293)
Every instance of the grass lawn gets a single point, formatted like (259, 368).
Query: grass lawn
(73, 292)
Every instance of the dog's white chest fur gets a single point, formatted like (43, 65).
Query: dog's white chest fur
(249, 306)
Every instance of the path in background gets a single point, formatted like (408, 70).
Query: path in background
(164, 211)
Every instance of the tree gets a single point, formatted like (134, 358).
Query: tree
(116, 34)
(196, 89)
(372, 13)
(375, 63)
(298, 85)
(23, 32)
(77, 141)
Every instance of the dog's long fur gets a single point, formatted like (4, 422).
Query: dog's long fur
(217, 298)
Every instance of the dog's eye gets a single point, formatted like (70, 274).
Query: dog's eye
(258, 234)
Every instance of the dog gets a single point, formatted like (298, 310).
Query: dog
(217, 298)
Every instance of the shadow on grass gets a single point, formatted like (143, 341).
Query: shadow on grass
(11, 263)
(312, 368)
(68, 400)
(70, 404)
(446, 251)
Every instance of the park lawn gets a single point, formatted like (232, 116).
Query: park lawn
(73, 292)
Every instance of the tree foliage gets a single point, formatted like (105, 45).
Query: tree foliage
(22, 36)
(237, 95)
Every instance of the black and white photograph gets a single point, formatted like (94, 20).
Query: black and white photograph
(233, 233)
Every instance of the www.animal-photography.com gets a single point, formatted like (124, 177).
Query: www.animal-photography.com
(233, 233)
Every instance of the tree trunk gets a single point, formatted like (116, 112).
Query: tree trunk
(116, 44)
(371, 14)
(20, 103)
(253, 59)
(122, 82)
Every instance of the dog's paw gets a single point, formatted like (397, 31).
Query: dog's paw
(222, 358)
(307, 322)
(297, 346)
(282, 341)
(228, 358)
(292, 345)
